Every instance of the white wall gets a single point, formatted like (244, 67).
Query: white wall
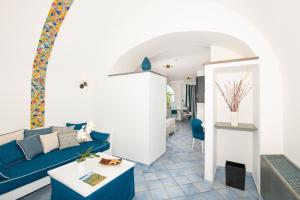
(157, 118)
(220, 53)
(139, 110)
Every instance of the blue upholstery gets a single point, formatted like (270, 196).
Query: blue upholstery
(3, 172)
(101, 137)
(77, 126)
(27, 171)
(121, 188)
(10, 153)
(31, 146)
(197, 129)
(39, 131)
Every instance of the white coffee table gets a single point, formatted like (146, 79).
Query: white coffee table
(66, 181)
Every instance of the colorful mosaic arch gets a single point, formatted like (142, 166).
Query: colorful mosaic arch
(56, 15)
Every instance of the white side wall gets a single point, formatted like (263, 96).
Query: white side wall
(157, 118)
(139, 109)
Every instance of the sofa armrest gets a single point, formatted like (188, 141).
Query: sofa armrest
(98, 136)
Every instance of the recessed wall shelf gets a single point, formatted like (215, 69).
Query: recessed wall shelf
(137, 72)
(240, 127)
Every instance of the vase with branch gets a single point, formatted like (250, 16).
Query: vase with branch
(233, 94)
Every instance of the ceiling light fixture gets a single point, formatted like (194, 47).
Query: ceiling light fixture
(168, 66)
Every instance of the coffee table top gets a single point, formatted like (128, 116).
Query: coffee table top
(71, 173)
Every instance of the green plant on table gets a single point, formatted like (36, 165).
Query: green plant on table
(87, 154)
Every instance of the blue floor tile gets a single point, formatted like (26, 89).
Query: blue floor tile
(213, 195)
(189, 189)
(174, 191)
(159, 194)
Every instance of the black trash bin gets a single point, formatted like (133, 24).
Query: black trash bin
(235, 174)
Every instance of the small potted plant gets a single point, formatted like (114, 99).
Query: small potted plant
(82, 158)
(87, 154)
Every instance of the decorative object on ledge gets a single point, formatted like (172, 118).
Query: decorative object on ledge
(240, 127)
(105, 161)
(139, 72)
(83, 85)
(233, 94)
(146, 64)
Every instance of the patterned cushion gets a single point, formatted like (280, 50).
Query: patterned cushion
(83, 136)
(63, 129)
(68, 139)
(38, 131)
(49, 142)
(77, 126)
(31, 146)
(10, 153)
(8, 137)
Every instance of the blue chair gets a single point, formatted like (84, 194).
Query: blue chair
(198, 132)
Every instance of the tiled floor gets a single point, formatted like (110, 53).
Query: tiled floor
(177, 175)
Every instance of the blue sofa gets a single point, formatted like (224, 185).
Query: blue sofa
(25, 171)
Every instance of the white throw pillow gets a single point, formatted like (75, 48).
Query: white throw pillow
(49, 142)
(83, 136)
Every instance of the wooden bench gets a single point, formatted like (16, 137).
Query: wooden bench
(280, 178)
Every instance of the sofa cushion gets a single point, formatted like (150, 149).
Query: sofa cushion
(63, 129)
(3, 172)
(31, 146)
(27, 171)
(83, 136)
(49, 142)
(68, 139)
(38, 131)
(77, 126)
(8, 137)
(10, 153)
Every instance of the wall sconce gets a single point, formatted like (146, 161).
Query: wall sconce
(83, 85)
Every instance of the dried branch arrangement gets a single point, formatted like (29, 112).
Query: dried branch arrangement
(234, 92)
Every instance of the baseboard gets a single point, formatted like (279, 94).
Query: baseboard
(26, 189)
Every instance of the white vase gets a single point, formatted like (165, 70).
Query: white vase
(81, 167)
(234, 118)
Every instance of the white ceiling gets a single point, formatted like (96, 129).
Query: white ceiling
(186, 51)
(186, 61)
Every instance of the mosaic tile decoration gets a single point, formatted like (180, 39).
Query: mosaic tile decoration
(56, 15)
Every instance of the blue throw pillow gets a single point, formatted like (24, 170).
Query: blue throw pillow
(102, 137)
(39, 131)
(31, 146)
(77, 126)
(3, 172)
(10, 153)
